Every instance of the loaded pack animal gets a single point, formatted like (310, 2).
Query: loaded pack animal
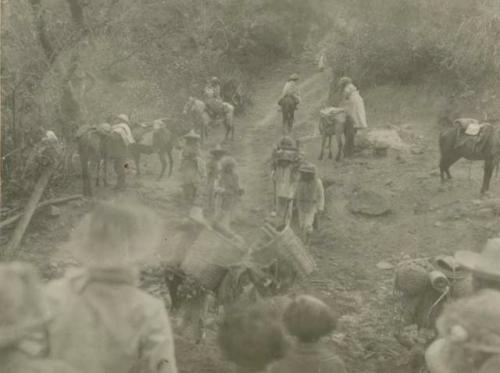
(288, 106)
(483, 144)
(336, 121)
(203, 117)
(96, 144)
(154, 137)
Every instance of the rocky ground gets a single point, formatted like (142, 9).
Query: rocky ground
(355, 248)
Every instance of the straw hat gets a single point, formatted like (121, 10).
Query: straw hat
(124, 117)
(485, 264)
(344, 81)
(22, 310)
(116, 234)
(307, 168)
(218, 150)
(294, 76)
(192, 135)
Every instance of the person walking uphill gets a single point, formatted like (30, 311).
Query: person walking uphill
(102, 322)
(193, 174)
(228, 193)
(289, 101)
(23, 317)
(353, 103)
(213, 174)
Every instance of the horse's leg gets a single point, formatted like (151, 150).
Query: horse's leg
(105, 170)
(136, 154)
(119, 166)
(97, 165)
(323, 141)
(84, 163)
(330, 156)
(489, 165)
(445, 163)
(163, 161)
(338, 134)
(170, 160)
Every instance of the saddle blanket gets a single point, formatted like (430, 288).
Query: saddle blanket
(473, 129)
(147, 139)
(124, 131)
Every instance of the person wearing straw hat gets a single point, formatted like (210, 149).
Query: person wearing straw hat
(23, 316)
(485, 266)
(213, 173)
(309, 198)
(228, 193)
(469, 336)
(193, 173)
(102, 322)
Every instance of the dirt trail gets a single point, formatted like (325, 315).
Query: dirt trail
(426, 219)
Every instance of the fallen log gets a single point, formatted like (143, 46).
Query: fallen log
(54, 201)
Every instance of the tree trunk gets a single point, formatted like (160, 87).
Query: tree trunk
(17, 237)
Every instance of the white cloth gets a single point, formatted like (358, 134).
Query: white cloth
(124, 131)
(355, 106)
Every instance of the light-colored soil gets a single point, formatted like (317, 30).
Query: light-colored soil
(426, 218)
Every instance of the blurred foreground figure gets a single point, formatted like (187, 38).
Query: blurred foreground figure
(308, 319)
(469, 332)
(22, 320)
(251, 337)
(102, 322)
(485, 267)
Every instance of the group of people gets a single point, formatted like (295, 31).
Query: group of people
(296, 185)
(211, 188)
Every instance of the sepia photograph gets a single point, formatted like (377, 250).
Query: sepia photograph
(250, 186)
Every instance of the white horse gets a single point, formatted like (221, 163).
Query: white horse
(202, 119)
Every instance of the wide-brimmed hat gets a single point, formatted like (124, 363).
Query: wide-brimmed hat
(484, 264)
(344, 81)
(218, 150)
(192, 135)
(124, 117)
(294, 76)
(22, 310)
(116, 234)
(307, 168)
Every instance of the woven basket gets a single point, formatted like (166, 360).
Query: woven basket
(210, 256)
(290, 248)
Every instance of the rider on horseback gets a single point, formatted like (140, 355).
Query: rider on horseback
(292, 89)
(212, 97)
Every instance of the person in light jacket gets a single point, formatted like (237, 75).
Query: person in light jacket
(23, 316)
(101, 321)
(353, 103)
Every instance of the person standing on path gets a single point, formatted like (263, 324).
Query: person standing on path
(352, 101)
(310, 199)
(213, 174)
(193, 175)
(101, 321)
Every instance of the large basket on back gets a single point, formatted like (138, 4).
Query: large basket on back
(290, 248)
(210, 256)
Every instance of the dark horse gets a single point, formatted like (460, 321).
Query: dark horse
(162, 142)
(454, 144)
(339, 124)
(288, 106)
(96, 147)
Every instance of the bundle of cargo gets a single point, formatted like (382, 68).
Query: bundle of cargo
(208, 259)
(328, 117)
(290, 248)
